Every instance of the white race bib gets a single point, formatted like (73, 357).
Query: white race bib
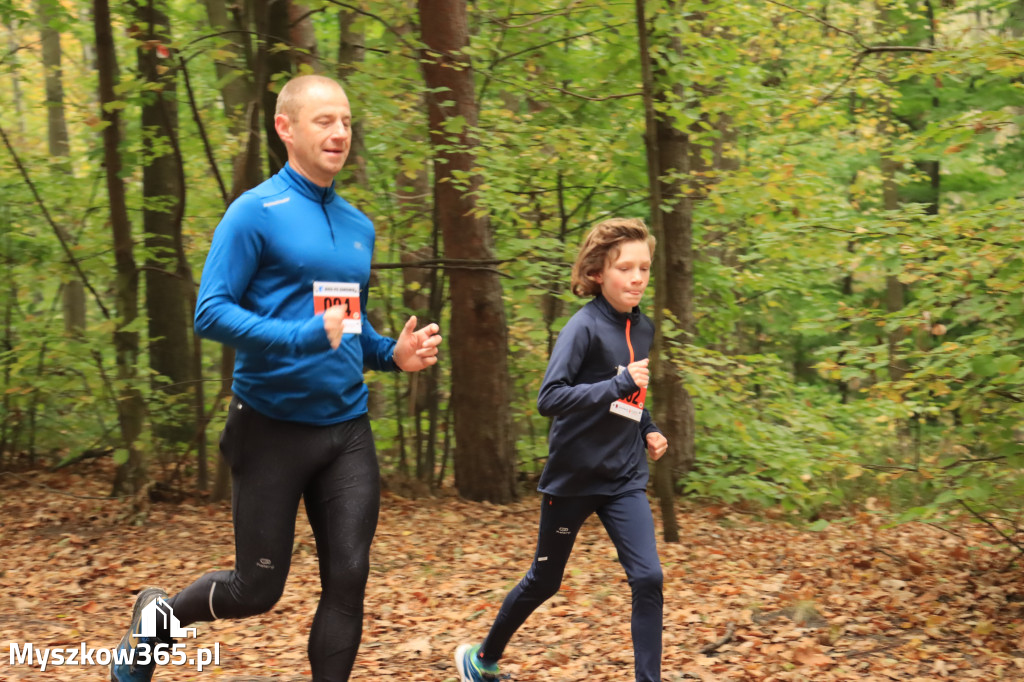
(346, 294)
(632, 406)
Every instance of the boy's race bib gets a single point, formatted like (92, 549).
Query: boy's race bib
(632, 406)
(345, 294)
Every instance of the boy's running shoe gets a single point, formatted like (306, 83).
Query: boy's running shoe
(471, 667)
(120, 668)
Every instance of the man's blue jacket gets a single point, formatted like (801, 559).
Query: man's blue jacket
(256, 295)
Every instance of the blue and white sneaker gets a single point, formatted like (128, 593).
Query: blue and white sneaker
(471, 667)
(123, 667)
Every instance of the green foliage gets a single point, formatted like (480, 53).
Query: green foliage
(767, 440)
(797, 135)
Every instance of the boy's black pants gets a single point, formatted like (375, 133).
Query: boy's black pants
(627, 518)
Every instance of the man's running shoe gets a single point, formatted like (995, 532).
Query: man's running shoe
(471, 666)
(123, 667)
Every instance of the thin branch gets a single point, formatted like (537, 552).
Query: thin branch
(821, 21)
(868, 51)
(202, 131)
(218, 34)
(162, 271)
(308, 14)
(984, 519)
(548, 43)
(856, 65)
(899, 48)
(715, 646)
(898, 559)
(886, 467)
(597, 99)
(538, 16)
(14, 51)
(381, 20)
(945, 530)
(976, 460)
(56, 230)
(448, 264)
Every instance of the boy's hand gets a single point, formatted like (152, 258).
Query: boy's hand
(638, 370)
(657, 444)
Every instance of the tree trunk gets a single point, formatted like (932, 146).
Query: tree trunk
(132, 475)
(895, 292)
(170, 347)
(1015, 22)
(271, 18)
(243, 111)
(478, 339)
(664, 485)
(233, 70)
(19, 109)
(350, 53)
(73, 292)
(303, 37)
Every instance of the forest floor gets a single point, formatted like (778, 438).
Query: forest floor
(857, 601)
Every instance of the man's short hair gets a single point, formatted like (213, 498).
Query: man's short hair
(289, 100)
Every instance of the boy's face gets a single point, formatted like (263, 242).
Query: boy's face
(624, 278)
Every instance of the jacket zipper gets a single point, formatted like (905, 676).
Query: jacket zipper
(327, 216)
(629, 343)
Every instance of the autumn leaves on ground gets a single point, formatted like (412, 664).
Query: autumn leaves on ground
(764, 600)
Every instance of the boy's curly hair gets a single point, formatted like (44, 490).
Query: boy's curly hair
(602, 245)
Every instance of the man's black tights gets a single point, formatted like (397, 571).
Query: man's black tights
(274, 464)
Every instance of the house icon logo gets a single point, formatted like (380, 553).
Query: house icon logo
(159, 613)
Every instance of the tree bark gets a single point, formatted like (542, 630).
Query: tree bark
(73, 292)
(303, 37)
(242, 107)
(132, 475)
(478, 339)
(664, 485)
(167, 279)
(271, 18)
(895, 292)
(350, 53)
(19, 108)
(671, 155)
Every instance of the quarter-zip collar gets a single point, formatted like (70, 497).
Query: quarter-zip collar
(611, 313)
(308, 188)
(313, 191)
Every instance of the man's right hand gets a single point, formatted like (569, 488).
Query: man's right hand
(333, 319)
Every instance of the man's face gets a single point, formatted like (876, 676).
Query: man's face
(319, 135)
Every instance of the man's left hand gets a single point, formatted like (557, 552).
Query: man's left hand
(417, 349)
(657, 444)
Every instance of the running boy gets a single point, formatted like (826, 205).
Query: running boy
(594, 388)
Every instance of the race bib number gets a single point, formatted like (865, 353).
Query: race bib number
(632, 406)
(345, 294)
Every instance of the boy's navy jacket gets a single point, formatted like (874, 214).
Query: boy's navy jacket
(256, 295)
(591, 450)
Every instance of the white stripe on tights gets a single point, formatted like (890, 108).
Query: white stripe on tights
(212, 586)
